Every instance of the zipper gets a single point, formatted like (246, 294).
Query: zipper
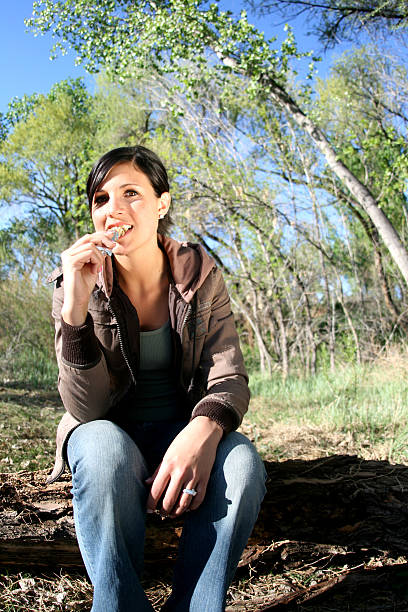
(189, 309)
(121, 343)
(183, 324)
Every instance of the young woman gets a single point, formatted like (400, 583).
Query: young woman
(153, 381)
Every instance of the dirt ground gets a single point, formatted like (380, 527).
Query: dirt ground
(332, 537)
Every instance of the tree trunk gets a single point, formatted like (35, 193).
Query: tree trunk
(277, 310)
(359, 191)
(265, 358)
(374, 237)
(283, 342)
(353, 330)
(335, 501)
(332, 329)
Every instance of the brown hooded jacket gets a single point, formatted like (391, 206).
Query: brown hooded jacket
(98, 361)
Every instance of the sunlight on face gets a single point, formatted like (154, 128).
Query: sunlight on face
(126, 200)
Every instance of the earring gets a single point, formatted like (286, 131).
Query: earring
(162, 216)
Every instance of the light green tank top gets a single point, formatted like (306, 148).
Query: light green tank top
(156, 397)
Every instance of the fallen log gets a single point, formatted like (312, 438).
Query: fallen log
(378, 589)
(339, 506)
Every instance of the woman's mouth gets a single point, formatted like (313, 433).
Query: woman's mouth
(120, 231)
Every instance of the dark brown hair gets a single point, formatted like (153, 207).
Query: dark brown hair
(144, 160)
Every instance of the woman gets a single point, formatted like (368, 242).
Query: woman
(153, 381)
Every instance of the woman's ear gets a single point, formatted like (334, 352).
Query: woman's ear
(164, 204)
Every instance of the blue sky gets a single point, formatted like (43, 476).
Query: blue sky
(24, 59)
(26, 67)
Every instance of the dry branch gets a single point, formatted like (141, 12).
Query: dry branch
(340, 502)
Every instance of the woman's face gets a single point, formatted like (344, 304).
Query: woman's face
(127, 198)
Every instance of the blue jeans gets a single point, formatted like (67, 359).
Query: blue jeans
(109, 466)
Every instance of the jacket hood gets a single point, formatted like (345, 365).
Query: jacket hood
(189, 263)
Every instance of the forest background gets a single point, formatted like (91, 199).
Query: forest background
(295, 183)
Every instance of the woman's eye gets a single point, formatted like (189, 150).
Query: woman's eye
(131, 192)
(101, 199)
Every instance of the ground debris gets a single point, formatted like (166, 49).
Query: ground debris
(330, 531)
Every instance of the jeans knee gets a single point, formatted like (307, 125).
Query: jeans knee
(243, 468)
(102, 451)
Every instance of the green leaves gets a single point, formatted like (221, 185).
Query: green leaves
(363, 105)
(165, 35)
(45, 151)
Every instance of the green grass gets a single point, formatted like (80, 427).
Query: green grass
(357, 410)
(361, 411)
(28, 422)
(31, 368)
(367, 404)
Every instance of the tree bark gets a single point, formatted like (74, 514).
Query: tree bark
(265, 359)
(283, 341)
(335, 501)
(340, 297)
(359, 191)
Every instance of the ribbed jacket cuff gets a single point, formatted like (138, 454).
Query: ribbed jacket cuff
(79, 344)
(217, 411)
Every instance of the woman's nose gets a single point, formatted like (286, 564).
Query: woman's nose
(115, 204)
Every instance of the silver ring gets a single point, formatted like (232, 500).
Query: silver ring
(192, 492)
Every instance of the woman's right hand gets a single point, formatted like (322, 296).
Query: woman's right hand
(81, 264)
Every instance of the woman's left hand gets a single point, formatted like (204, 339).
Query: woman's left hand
(187, 464)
